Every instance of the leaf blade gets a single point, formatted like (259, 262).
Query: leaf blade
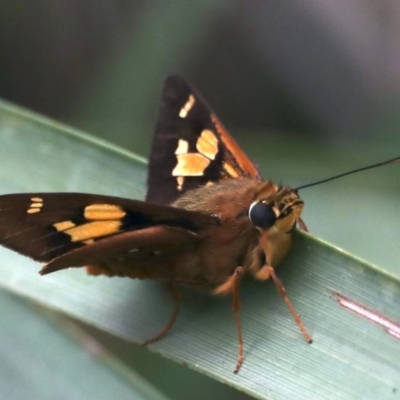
(278, 364)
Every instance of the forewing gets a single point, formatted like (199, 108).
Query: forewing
(191, 147)
(50, 226)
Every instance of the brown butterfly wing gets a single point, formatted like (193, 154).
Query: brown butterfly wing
(78, 229)
(191, 148)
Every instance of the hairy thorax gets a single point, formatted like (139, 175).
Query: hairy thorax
(236, 241)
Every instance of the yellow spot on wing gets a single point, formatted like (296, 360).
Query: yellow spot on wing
(183, 147)
(192, 164)
(103, 212)
(35, 206)
(183, 113)
(93, 230)
(231, 171)
(63, 226)
(207, 144)
(181, 181)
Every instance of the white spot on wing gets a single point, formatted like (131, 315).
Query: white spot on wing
(183, 113)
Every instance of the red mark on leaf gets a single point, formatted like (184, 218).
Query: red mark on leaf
(390, 326)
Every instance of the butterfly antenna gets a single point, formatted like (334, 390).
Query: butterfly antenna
(392, 161)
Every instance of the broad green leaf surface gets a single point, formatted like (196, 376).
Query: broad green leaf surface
(40, 362)
(350, 357)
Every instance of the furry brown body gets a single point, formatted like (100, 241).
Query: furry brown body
(216, 252)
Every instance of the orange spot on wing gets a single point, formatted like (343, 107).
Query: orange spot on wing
(192, 164)
(180, 180)
(93, 230)
(207, 144)
(183, 113)
(33, 210)
(103, 212)
(231, 171)
(63, 226)
(183, 147)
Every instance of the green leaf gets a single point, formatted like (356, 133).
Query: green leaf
(38, 361)
(351, 357)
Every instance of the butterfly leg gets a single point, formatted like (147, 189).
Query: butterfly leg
(232, 285)
(238, 274)
(302, 225)
(177, 303)
(282, 291)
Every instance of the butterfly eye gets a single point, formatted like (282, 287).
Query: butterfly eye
(262, 215)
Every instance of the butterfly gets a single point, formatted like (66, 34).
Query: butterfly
(208, 220)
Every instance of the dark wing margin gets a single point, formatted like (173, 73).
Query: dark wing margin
(191, 147)
(49, 226)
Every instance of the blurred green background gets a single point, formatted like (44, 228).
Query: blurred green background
(310, 89)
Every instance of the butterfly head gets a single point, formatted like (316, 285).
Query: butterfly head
(278, 213)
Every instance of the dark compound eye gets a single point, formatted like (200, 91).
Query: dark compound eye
(262, 215)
